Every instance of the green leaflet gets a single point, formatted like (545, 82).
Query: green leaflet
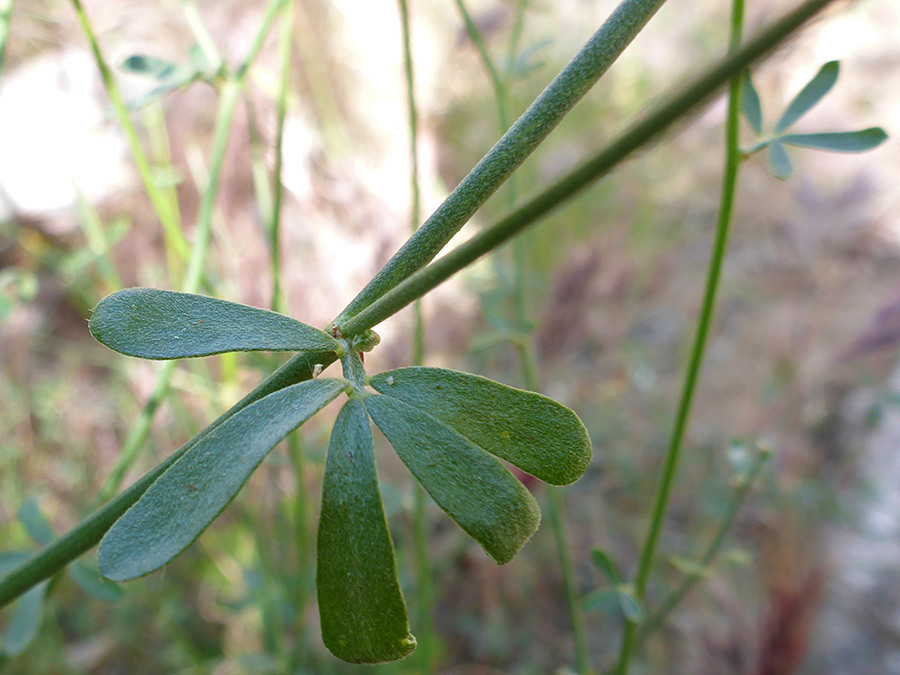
(811, 94)
(535, 433)
(361, 608)
(188, 497)
(475, 490)
(779, 162)
(148, 66)
(154, 324)
(35, 523)
(839, 141)
(750, 103)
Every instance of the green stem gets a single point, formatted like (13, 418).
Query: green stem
(704, 323)
(6, 7)
(201, 33)
(556, 510)
(154, 118)
(284, 48)
(638, 135)
(231, 94)
(527, 359)
(511, 150)
(424, 584)
(302, 547)
(85, 535)
(488, 63)
(655, 618)
(174, 236)
(97, 242)
(136, 436)
(50, 560)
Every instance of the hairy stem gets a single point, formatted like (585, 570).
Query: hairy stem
(88, 532)
(704, 323)
(511, 150)
(85, 535)
(526, 349)
(689, 97)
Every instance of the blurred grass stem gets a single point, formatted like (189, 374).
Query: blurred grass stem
(525, 345)
(88, 532)
(689, 97)
(673, 598)
(230, 96)
(6, 7)
(176, 244)
(424, 580)
(704, 323)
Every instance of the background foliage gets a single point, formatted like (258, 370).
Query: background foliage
(802, 353)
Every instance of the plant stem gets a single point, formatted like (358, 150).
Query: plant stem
(50, 560)
(297, 454)
(85, 535)
(6, 7)
(231, 93)
(97, 242)
(655, 618)
(424, 583)
(647, 129)
(526, 351)
(175, 238)
(704, 323)
(285, 44)
(201, 33)
(511, 150)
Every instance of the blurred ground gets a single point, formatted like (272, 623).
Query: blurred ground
(803, 352)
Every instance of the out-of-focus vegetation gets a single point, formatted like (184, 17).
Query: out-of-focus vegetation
(802, 354)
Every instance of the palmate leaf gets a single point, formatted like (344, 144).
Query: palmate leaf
(533, 432)
(839, 141)
(472, 487)
(155, 324)
(362, 612)
(188, 497)
(811, 94)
